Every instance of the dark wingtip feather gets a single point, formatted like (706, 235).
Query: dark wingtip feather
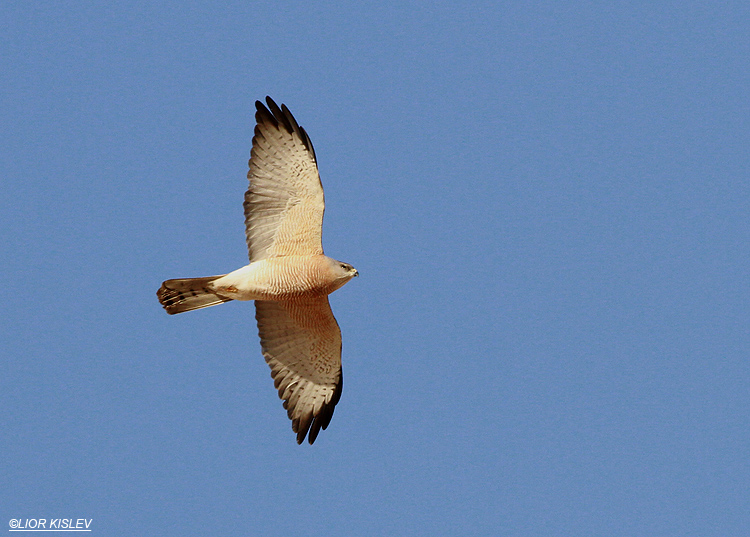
(301, 434)
(323, 419)
(263, 115)
(281, 116)
(308, 425)
(308, 143)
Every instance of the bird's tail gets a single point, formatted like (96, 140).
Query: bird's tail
(188, 294)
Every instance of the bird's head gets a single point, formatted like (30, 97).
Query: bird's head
(347, 270)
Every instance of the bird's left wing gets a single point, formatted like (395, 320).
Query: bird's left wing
(284, 204)
(301, 342)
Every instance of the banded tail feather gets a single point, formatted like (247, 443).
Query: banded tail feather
(186, 294)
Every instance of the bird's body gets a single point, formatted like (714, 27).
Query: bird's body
(289, 277)
(284, 278)
(275, 278)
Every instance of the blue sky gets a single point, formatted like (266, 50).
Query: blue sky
(549, 207)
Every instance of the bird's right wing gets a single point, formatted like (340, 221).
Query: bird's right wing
(301, 342)
(284, 203)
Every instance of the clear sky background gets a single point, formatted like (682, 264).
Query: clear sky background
(548, 204)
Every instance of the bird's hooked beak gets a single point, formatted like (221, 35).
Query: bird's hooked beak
(356, 273)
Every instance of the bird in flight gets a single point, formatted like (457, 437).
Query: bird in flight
(288, 277)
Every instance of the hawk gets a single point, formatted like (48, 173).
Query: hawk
(288, 277)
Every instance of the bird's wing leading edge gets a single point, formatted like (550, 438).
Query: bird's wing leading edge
(301, 342)
(284, 204)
